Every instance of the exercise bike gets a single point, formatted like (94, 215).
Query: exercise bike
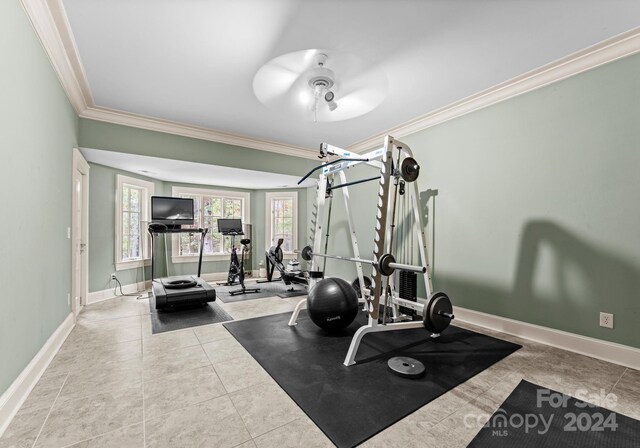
(235, 275)
(240, 269)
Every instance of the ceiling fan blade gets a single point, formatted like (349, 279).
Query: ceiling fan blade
(369, 77)
(272, 81)
(278, 76)
(283, 85)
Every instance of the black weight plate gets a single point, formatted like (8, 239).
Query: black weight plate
(383, 264)
(306, 253)
(406, 367)
(356, 285)
(431, 318)
(409, 169)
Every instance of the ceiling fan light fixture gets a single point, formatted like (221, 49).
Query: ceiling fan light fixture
(329, 98)
(310, 85)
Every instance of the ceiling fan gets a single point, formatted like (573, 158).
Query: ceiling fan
(320, 85)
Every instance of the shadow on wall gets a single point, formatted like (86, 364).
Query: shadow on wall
(561, 281)
(428, 217)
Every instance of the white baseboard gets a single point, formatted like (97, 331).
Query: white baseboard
(584, 345)
(17, 393)
(99, 296)
(106, 294)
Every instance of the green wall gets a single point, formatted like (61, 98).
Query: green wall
(536, 205)
(102, 225)
(114, 137)
(102, 192)
(39, 130)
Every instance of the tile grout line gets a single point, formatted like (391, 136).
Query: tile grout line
(285, 424)
(144, 420)
(49, 413)
(201, 401)
(477, 396)
(80, 398)
(229, 396)
(619, 378)
(99, 435)
(241, 419)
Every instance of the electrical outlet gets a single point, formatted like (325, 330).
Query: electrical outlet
(69, 299)
(113, 276)
(606, 320)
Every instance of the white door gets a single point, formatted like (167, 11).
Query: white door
(79, 234)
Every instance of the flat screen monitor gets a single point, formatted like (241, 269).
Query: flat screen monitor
(172, 211)
(230, 226)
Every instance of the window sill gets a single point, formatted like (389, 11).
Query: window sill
(290, 255)
(205, 258)
(133, 264)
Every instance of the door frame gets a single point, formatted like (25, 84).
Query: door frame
(80, 165)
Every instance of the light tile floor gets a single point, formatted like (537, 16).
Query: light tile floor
(114, 384)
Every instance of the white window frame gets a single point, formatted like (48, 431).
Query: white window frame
(269, 196)
(246, 219)
(145, 216)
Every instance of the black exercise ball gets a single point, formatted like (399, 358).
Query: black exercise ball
(332, 304)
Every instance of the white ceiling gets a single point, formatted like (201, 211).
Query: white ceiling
(191, 172)
(193, 61)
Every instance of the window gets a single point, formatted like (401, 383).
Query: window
(282, 219)
(209, 205)
(133, 199)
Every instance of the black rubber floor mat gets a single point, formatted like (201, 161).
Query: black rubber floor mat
(534, 416)
(351, 404)
(180, 318)
(271, 289)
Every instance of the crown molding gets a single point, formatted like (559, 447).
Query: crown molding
(617, 47)
(50, 24)
(184, 130)
(49, 20)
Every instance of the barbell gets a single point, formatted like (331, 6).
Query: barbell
(387, 263)
(437, 312)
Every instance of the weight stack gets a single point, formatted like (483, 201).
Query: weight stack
(408, 290)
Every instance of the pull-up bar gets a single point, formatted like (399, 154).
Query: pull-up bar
(319, 167)
(355, 182)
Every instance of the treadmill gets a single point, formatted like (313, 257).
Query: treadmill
(178, 290)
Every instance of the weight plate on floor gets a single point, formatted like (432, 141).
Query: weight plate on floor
(406, 367)
(437, 313)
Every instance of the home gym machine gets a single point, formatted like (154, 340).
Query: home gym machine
(178, 290)
(233, 228)
(397, 169)
(289, 275)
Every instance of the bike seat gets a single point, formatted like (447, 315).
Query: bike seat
(245, 241)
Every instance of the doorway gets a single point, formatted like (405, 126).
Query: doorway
(80, 233)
